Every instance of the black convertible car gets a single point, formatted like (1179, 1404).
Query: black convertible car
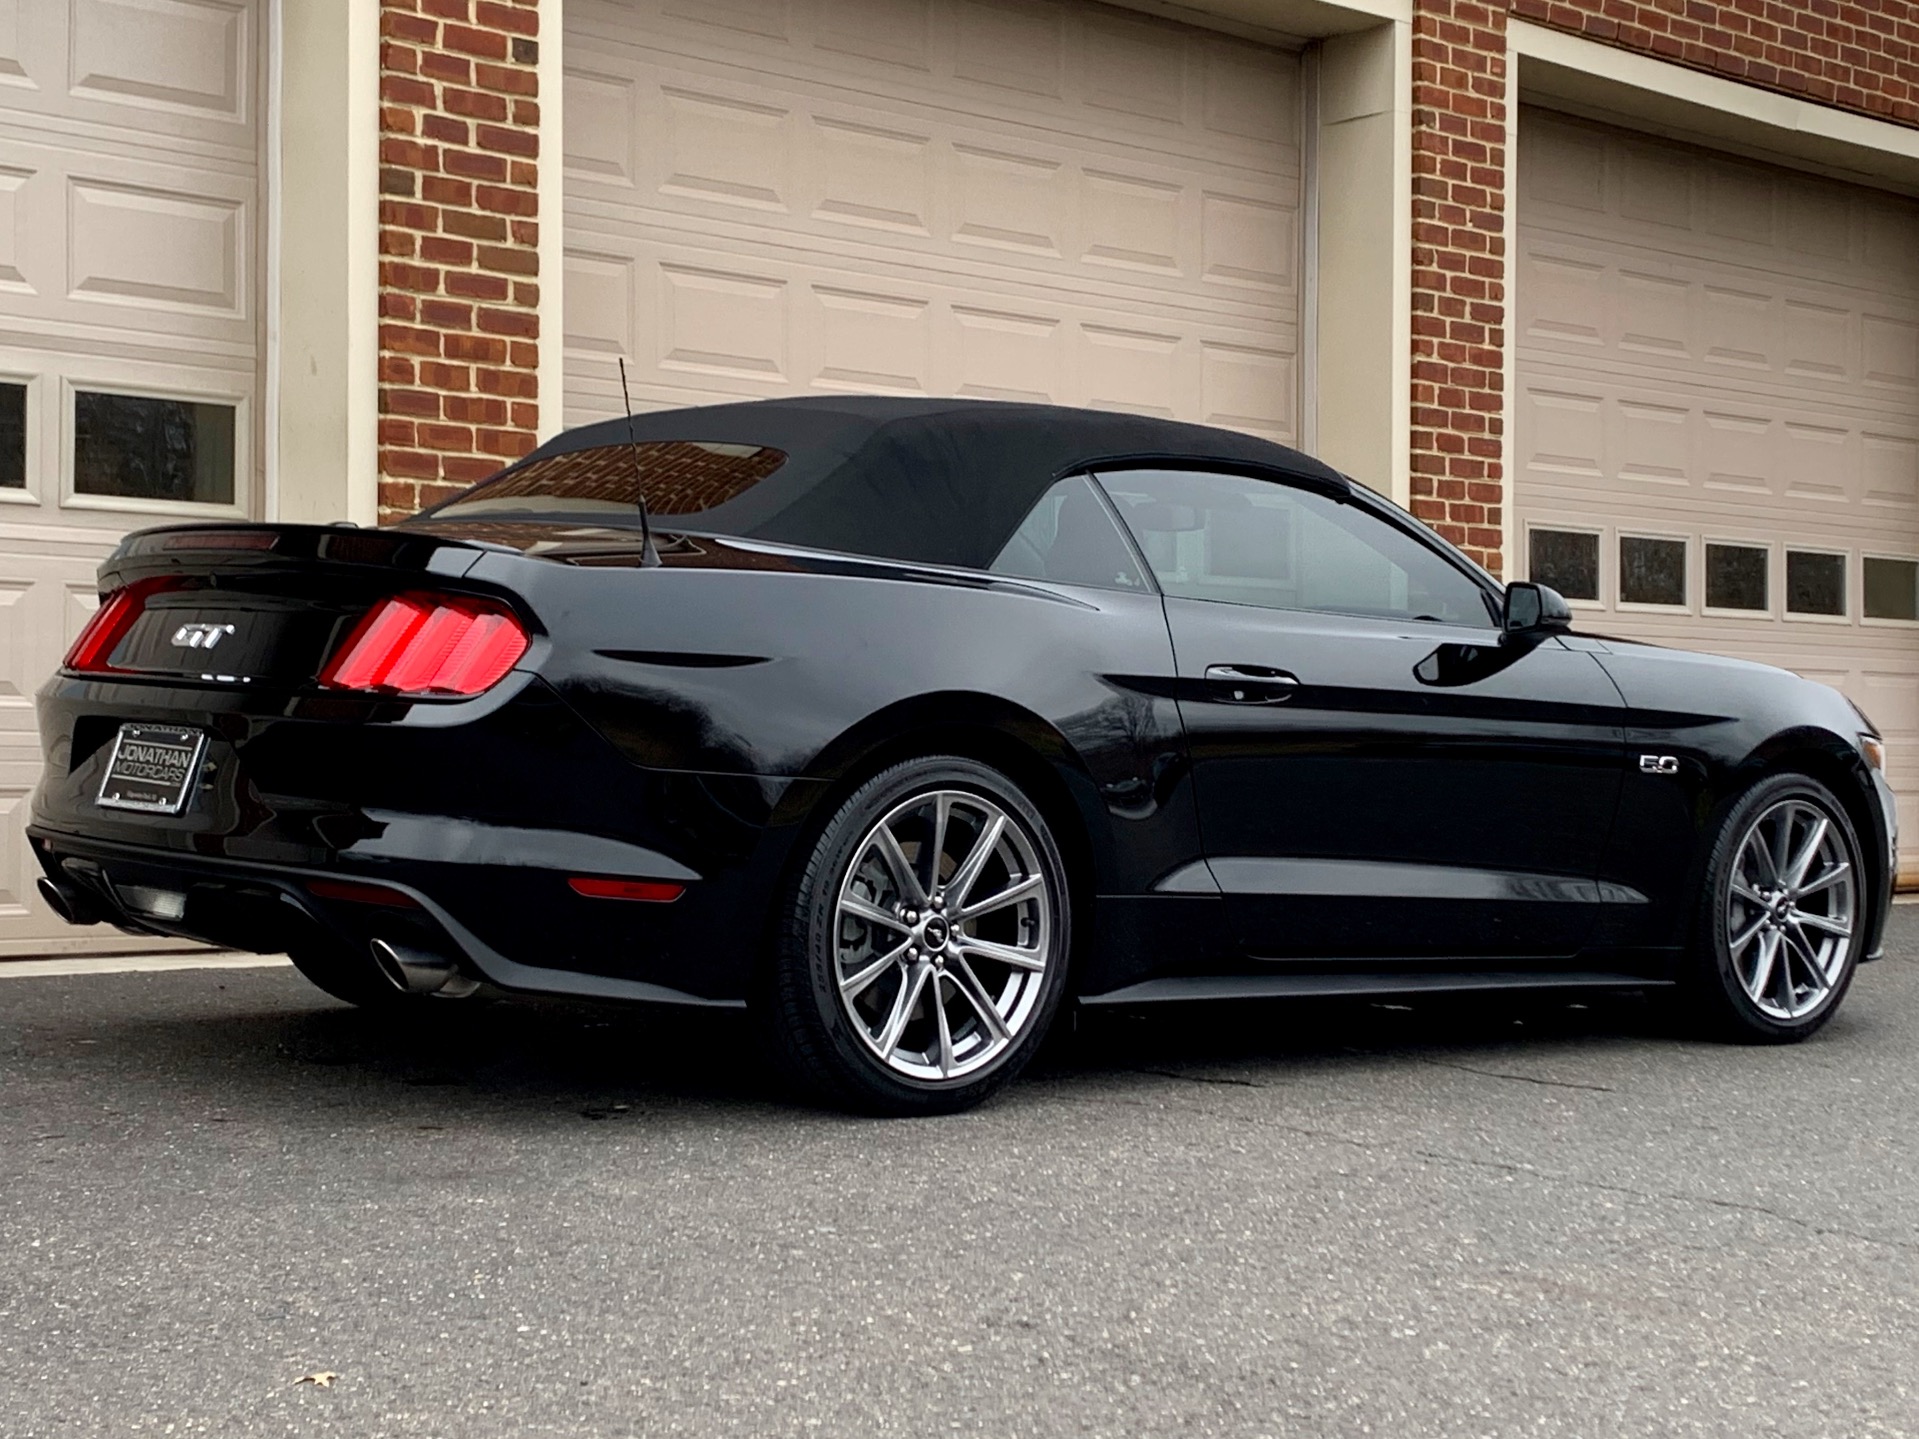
(906, 722)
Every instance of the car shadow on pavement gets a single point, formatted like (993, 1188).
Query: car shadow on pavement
(526, 1059)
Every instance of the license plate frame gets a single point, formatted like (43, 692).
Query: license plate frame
(166, 769)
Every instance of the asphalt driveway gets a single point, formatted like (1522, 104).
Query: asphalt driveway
(1313, 1220)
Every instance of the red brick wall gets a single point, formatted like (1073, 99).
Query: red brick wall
(459, 230)
(1856, 54)
(1459, 271)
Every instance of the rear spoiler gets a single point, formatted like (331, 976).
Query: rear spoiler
(253, 548)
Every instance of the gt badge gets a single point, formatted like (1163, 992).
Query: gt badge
(1658, 764)
(200, 637)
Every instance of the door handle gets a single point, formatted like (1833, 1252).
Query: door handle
(1250, 684)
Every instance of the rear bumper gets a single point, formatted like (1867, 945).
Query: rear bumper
(273, 908)
(479, 811)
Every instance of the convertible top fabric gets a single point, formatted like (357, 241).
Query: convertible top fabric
(930, 481)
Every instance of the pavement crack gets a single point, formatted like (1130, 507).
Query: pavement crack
(1203, 1079)
(1519, 1078)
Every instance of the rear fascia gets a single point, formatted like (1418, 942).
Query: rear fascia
(483, 807)
(484, 810)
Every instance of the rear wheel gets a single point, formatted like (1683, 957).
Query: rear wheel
(924, 949)
(1778, 934)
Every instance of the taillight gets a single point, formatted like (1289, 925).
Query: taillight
(102, 635)
(428, 645)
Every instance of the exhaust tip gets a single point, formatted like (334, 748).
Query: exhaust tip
(70, 904)
(420, 971)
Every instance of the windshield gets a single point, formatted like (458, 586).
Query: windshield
(679, 477)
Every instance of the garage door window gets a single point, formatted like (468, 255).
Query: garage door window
(138, 447)
(13, 436)
(1567, 560)
(1652, 571)
(1892, 588)
(1736, 577)
(1815, 583)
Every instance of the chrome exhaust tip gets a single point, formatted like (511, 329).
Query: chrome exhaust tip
(419, 971)
(70, 904)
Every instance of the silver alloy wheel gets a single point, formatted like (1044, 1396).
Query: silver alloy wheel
(943, 931)
(1790, 909)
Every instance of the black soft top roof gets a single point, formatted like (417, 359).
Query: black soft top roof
(933, 481)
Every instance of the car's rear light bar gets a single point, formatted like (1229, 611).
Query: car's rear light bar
(101, 636)
(419, 644)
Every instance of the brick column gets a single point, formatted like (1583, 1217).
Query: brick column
(459, 236)
(1460, 129)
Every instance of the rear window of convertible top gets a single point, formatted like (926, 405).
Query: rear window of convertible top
(680, 477)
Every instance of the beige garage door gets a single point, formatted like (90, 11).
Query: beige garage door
(1027, 199)
(1718, 411)
(129, 328)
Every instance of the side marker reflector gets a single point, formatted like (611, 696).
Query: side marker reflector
(652, 891)
(353, 892)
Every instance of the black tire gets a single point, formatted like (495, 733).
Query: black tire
(1714, 984)
(353, 978)
(812, 1034)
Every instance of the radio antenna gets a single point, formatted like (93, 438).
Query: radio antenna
(648, 555)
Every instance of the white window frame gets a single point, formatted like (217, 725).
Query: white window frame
(1774, 573)
(35, 471)
(1598, 532)
(1880, 621)
(1854, 594)
(1645, 607)
(245, 478)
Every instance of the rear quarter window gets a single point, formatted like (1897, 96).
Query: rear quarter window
(677, 477)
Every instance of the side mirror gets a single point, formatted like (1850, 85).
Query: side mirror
(1535, 609)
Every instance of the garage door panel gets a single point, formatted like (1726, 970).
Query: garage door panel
(184, 56)
(691, 319)
(1098, 71)
(1719, 351)
(126, 241)
(1891, 353)
(1581, 428)
(129, 203)
(1580, 297)
(741, 151)
(185, 68)
(900, 34)
(757, 204)
(1128, 71)
(872, 176)
(1007, 354)
(598, 245)
(1892, 475)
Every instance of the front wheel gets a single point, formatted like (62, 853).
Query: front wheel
(925, 943)
(1778, 935)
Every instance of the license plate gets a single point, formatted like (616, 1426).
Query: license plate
(153, 768)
